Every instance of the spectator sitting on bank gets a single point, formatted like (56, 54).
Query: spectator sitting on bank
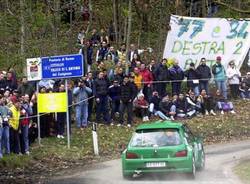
(141, 107)
(206, 103)
(192, 107)
(181, 106)
(154, 106)
(247, 80)
(222, 104)
(244, 91)
(167, 107)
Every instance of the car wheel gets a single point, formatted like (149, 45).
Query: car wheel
(202, 163)
(127, 177)
(193, 173)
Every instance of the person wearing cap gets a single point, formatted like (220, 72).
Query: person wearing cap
(14, 125)
(220, 77)
(192, 79)
(233, 74)
(204, 75)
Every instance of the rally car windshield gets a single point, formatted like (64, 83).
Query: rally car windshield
(156, 137)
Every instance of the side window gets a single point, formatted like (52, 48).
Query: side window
(188, 134)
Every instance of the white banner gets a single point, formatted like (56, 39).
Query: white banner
(191, 39)
(34, 69)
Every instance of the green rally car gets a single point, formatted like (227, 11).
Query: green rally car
(163, 146)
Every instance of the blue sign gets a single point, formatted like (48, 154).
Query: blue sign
(66, 66)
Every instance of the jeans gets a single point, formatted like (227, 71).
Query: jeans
(196, 90)
(25, 137)
(82, 115)
(123, 107)
(115, 104)
(6, 139)
(244, 94)
(161, 115)
(222, 87)
(161, 88)
(203, 85)
(102, 108)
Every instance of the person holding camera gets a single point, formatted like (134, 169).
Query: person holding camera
(81, 93)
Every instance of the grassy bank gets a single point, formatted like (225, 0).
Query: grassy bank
(54, 156)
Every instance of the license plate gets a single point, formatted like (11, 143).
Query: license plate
(156, 164)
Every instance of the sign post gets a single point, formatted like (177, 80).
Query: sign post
(68, 132)
(95, 139)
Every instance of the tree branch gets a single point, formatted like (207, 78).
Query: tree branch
(231, 7)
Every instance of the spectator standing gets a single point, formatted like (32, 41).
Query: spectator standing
(122, 53)
(90, 84)
(81, 93)
(176, 75)
(2, 81)
(115, 95)
(220, 76)
(26, 111)
(233, 75)
(161, 76)
(90, 52)
(14, 125)
(192, 79)
(25, 88)
(61, 117)
(104, 36)
(100, 90)
(133, 50)
(204, 74)
(102, 52)
(147, 81)
(128, 94)
(4, 127)
(95, 37)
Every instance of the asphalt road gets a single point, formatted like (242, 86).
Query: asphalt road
(220, 159)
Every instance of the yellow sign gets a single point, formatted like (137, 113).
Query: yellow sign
(52, 102)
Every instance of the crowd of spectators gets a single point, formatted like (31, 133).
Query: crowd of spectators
(114, 91)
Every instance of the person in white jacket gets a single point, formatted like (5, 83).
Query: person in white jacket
(233, 75)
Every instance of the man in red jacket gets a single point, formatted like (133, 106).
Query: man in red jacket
(147, 78)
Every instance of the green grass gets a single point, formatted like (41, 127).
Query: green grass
(53, 155)
(243, 171)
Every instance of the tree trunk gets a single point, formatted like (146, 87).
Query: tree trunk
(22, 35)
(90, 17)
(204, 8)
(128, 33)
(115, 11)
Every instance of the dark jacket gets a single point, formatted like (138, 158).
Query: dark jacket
(156, 101)
(165, 106)
(191, 75)
(203, 72)
(181, 105)
(26, 89)
(100, 87)
(161, 72)
(176, 73)
(128, 92)
(3, 84)
(115, 92)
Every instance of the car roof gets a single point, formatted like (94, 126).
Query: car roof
(159, 125)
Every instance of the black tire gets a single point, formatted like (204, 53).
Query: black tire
(192, 174)
(127, 177)
(203, 159)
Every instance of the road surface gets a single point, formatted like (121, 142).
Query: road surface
(220, 159)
